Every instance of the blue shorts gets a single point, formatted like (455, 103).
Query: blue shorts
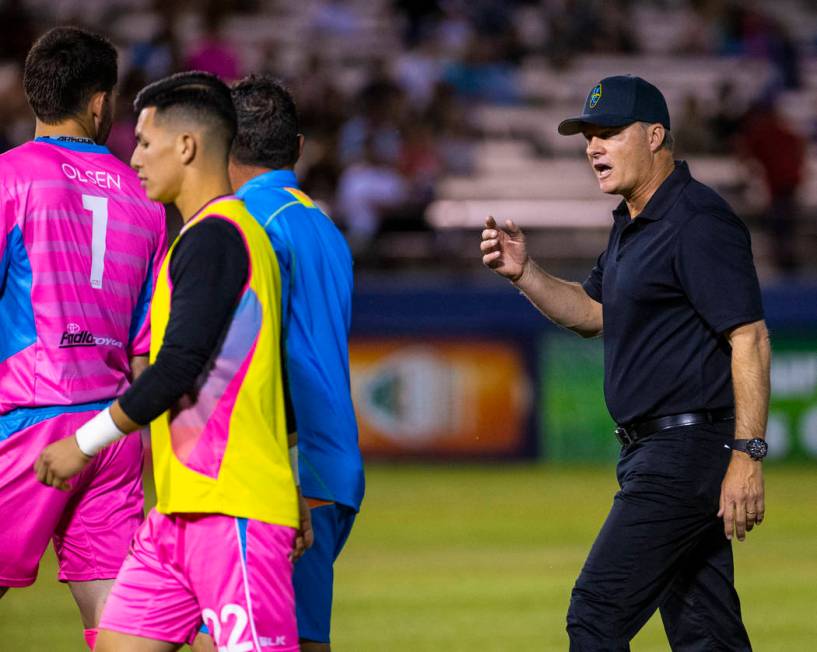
(313, 576)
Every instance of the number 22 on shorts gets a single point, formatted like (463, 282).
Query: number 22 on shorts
(229, 612)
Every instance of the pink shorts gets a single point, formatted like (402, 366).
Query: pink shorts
(92, 525)
(233, 574)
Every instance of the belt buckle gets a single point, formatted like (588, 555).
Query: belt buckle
(623, 436)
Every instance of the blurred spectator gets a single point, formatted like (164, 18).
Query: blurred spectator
(697, 28)
(213, 53)
(420, 17)
(454, 132)
(159, 55)
(584, 26)
(784, 57)
(454, 30)
(320, 102)
(418, 70)
(615, 28)
(334, 18)
(121, 140)
(16, 120)
(693, 134)
(749, 31)
(367, 191)
(766, 139)
(377, 121)
(483, 74)
(421, 162)
(18, 30)
(725, 120)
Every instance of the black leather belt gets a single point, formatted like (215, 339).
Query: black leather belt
(632, 432)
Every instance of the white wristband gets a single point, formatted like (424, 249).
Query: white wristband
(97, 433)
(293, 461)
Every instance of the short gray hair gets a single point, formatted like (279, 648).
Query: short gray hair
(669, 140)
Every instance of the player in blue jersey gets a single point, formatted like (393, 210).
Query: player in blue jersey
(316, 292)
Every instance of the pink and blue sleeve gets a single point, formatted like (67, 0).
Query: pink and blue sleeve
(6, 225)
(140, 324)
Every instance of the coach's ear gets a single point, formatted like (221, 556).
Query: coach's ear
(186, 146)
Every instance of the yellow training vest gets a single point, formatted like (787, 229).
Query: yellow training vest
(225, 450)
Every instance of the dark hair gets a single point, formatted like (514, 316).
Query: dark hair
(267, 123)
(64, 68)
(197, 96)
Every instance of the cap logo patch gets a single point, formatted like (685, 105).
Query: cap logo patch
(595, 96)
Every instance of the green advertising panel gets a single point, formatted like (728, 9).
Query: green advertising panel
(792, 430)
(575, 425)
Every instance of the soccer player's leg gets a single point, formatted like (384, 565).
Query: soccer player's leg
(98, 525)
(313, 576)
(204, 642)
(109, 641)
(151, 607)
(240, 572)
(31, 511)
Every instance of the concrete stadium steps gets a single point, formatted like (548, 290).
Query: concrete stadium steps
(531, 213)
(676, 76)
(561, 179)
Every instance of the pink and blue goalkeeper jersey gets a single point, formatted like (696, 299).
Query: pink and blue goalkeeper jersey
(80, 245)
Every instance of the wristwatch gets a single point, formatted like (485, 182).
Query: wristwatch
(755, 448)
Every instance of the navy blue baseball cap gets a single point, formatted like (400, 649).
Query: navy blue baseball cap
(619, 101)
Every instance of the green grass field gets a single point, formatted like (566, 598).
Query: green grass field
(483, 558)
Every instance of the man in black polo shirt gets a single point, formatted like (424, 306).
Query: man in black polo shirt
(686, 378)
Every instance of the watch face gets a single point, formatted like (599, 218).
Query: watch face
(757, 448)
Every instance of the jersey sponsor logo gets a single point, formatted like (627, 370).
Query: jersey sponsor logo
(98, 178)
(74, 335)
(595, 96)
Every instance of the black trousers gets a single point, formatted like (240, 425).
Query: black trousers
(663, 547)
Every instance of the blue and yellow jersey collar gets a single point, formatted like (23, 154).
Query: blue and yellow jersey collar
(271, 179)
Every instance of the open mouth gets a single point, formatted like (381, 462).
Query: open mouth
(603, 170)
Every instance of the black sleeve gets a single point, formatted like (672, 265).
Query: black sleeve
(289, 409)
(208, 270)
(593, 283)
(714, 263)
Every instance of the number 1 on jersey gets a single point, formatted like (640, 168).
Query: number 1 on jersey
(98, 207)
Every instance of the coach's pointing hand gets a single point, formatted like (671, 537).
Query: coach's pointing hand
(504, 250)
(59, 462)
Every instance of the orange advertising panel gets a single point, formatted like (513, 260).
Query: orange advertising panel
(416, 396)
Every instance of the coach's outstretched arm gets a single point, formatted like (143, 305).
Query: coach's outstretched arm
(564, 303)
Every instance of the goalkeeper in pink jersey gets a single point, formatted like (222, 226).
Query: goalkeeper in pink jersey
(80, 244)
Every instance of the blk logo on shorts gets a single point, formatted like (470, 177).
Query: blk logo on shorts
(278, 641)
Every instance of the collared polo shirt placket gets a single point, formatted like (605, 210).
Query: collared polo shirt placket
(671, 281)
